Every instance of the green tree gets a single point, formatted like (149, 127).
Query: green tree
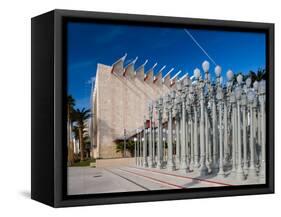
(70, 110)
(87, 145)
(255, 76)
(130, 146)
(261, 73)
(80, 117)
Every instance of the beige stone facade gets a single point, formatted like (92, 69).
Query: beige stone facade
(119, 101)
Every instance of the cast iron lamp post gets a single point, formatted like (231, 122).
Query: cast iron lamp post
(150, 158)
(252, 170)
(238, 93)
(220, 103)
(159, 108)
(145, 163)
(135, 153)
(169, 106)
(262, 90)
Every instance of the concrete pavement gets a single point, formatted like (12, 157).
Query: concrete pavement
(86, 180)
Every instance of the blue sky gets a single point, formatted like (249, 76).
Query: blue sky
(93, 43)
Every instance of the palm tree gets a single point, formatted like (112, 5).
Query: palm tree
(75, 131)
(87, 145)
(255, 76)
(70, 109)
(130, 146)
(261, 74)
(80, 117)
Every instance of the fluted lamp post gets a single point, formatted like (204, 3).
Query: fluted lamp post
(150, 155)
(196, 75)
(145, 163)
(183, 160)
(135, 154)
(206, 67)
(244, 127)
(219, 98)
(192, 120)
(159, 108)
(203, 168)
(169, 106)
(238, 93)
(229, 86)
(177, 109)
(262, 91)
(137, 147)
(252, 170)
(141, 151)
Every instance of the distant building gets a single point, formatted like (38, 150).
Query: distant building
(119, 102)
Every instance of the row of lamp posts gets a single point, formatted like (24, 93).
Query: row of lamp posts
(209, 127)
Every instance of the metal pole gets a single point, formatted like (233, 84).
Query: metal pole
(124, 154)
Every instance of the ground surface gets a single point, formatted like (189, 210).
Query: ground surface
(86, 180)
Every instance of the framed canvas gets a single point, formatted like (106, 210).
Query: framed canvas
(133, 108)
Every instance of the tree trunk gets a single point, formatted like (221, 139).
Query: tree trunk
(81, 144)
(69, 139)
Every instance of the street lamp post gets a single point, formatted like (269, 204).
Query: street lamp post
(135, 154)
(203, 168)
(238, 92)
(182, 126)
(178, 118)
(169, 106)
(244, 130)
(141, 150)
(220, 97)
(145, 163)
(137, 147)
(207, 78)
(262, 89)
(124, 154)
(252, 170)
(159, 108)
(150, 158)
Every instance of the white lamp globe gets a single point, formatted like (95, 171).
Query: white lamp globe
(229, 74)
(218, 71)
(249, 82)
(206, 66)
(256, 85)
(197, 73)
(239, 79)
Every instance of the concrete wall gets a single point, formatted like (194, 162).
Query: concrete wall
(120, 102)
(117, 162)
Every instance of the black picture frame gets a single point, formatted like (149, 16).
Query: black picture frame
(48, 69)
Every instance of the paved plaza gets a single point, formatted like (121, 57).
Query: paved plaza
(86, 180)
